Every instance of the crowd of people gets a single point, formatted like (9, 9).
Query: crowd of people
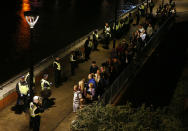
(100, 77)
(166, 10)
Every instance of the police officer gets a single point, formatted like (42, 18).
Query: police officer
(57, 71)
(142, 10)
(95, 39)
(35, 113)
(107, 32)
(151, 6)
(23, 92)
(46, 91)
(72, 62)
(27, 79)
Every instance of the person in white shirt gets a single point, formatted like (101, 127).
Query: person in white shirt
(141, 29)
(143, 35)
(149, 30)
(77, 99)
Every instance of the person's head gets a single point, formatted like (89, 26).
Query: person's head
(95, 31)
(106, 24)
(45, 76)
(36, 99)
(22, 79)
(88, 37)
(98, 71)
(57, 58)
(81, 84)
(75, 87)
(114, 59)
(90, 76)
(93, 63)
(90, 85)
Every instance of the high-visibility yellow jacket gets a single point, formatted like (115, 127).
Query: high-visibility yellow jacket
(45, 84)
(23, 88)
(58, 65)
(27, 79)
(32, 110)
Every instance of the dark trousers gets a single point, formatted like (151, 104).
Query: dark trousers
(35, 123)
(151, 10)
(107, 40)
(86, 53)
(45, 95)
(89, 52)
(95, 44)
(57, 77)
(72, 67)
(23, 102)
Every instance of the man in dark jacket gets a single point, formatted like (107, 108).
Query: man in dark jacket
(95, 39)
(23, 92)
(87, 49)
(93, 67)
(57, 71)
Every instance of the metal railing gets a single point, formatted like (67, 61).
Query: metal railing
(129, 73)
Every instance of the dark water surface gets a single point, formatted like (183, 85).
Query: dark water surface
(61, 22)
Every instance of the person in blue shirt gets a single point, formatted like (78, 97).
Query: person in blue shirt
(92, 80)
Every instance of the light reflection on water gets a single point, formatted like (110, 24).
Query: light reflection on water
(23, 33)
(61, 22)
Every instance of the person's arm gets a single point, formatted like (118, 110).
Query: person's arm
(91, 69)
(55, 66)
(92, 94)
(17, 89)
(39, 110)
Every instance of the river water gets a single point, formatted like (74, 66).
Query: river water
(60, 23)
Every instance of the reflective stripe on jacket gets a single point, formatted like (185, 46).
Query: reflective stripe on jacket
(45, 84)
(32, 110)
(58, 65)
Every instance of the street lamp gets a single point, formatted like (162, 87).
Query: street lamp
(31, 18)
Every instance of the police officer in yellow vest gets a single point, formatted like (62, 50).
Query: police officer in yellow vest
(35, 111)
(23, 92)
(57, 71)
(142, 10)
(27, 79)
(45, 91)
(95, 39)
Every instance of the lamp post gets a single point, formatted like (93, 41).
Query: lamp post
(31, 18)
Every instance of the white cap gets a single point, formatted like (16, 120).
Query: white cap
(35, 98)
